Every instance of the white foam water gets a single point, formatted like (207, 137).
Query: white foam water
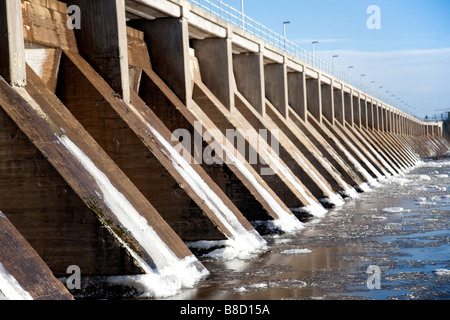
(333, 198)
(172, 272)
(313, 207)
(286, 221)
(242, 240)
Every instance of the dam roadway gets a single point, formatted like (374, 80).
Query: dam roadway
(154, 126)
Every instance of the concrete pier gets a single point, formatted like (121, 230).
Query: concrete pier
(156, 125)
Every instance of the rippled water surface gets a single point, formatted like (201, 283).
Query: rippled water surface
(401, 227)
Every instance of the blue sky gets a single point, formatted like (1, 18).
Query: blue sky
(409, 56)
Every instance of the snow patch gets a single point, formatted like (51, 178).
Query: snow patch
(10, 289)
(365, 187)
(378, 217)
(394, 210)
(442, 272)
(424, 201)
(348, 191)
(333, 198)
(286, 221)
(296, 252)
(223, 250)
(315, 208)
(171, 273)
(242, 239)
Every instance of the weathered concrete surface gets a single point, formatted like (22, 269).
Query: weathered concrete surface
(325, 148)
(102, 41)
(216, 54)
(105, 93)
(308, 153)
(297, 93)
(44, 193)
(122, 135)
(167, 40)
(276, 85)
(231, 180)
(248, 71)
(22, 262)
(225, 120)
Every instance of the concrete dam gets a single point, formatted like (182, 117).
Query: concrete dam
(135, 132)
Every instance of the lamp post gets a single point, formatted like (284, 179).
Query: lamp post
(361, 80)
(334, 62)
(313, 54)
(349, 73)
(284, 32)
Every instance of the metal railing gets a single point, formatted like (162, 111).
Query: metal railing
(241, 20)
(444, 117)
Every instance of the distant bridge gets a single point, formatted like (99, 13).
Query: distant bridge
(91, 173)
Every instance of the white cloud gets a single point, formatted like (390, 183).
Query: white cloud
(419, 77)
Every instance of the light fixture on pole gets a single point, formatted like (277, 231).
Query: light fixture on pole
(349, 72)
(313, 54)
(334, 61)
(284, 32)
(284, 27)
(362, 77)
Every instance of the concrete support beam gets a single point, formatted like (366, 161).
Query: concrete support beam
(338, 106)
(102, 41)
(356, 111)
(363, 112)
(348, 108)
(385, 119)
(215, 58)
(12, 52)
(376, 117)
(327, 102)
(314, 98)
(249, 74)
(297, 93)
(23, 263)
(370, 107)
(394, 120)
(168, 44)
(276, 86)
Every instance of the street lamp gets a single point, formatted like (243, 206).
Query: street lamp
(284, 27)
(314, 58)
(284, 32)
(362, 76)
(334, 61)
(349, 72)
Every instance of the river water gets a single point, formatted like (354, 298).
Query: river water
(389, 243)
